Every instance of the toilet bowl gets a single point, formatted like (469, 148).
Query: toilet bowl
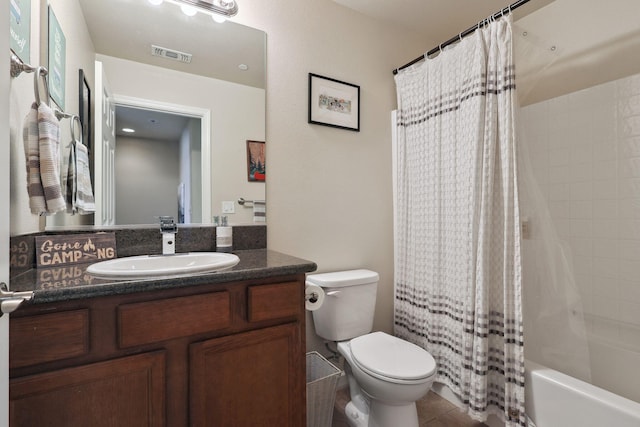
(386, 374)
(390, 375)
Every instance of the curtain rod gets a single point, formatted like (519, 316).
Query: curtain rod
(465, 33)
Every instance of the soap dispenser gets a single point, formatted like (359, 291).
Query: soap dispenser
(224, 236)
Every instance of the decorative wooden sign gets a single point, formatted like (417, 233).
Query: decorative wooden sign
(62, 277)
(74, 249)
(22, 252)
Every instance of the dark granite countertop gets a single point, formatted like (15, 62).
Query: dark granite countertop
(72, 282)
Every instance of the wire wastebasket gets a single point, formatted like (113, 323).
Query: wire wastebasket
(322, 380)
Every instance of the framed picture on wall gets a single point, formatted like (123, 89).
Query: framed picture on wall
(256, 161)
(84, 107)
(20, 24)
(57, 60)
(334, 103)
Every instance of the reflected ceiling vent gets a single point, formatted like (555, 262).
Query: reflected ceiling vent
(170, 54)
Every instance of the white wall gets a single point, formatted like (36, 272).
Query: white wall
(195, 137)
(585, 153)
(191, 171)
(147, 176)
(329, 190)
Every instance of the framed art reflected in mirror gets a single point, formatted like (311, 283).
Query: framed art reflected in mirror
(256, 161)
(84, 109)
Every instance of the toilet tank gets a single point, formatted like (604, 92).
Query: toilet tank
(349, 303)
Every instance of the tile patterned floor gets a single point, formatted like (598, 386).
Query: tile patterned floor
(433, 411)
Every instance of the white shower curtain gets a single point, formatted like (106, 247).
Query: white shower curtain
(458, 267)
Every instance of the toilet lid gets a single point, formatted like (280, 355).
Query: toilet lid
(384, 355)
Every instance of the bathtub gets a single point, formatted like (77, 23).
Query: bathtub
(554, 399)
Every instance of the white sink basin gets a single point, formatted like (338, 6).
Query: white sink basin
(163, 265)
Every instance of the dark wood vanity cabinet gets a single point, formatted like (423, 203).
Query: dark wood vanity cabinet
(228, 354)
(127, 391)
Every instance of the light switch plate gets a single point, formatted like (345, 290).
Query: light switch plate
(228, 207)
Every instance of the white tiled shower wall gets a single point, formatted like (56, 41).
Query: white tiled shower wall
(585, 153)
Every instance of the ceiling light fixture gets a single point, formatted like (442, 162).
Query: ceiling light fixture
(218, 18)
(128, 130)
(188, 10)
(219, 9)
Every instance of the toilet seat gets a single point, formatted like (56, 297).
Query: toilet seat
(392, 359)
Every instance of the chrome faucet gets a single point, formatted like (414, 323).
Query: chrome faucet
(168, 228)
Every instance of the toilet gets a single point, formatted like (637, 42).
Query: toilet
(386, 374)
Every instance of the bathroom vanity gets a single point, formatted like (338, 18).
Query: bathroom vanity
(216, 349)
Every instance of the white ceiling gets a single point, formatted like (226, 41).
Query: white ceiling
(570, 25)
(150, 124)
(436, 20)
(577, 43)
(440, 20)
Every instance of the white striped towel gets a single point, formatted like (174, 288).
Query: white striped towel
(259, 211)
(37, 204)
(71, 183)
(49, 146)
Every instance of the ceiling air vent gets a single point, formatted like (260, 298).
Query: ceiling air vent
(170, 54)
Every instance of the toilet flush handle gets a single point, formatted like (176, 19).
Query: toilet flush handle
(333, 294)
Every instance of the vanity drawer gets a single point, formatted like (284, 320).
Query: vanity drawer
(154, 321)
(48, 337)
(267, 302)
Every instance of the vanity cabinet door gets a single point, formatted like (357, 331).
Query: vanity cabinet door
(129, 391)
(249, 379)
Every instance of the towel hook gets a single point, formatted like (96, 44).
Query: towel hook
(18, 67)
(41, 72)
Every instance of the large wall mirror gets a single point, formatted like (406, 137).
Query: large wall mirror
(194, 92)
